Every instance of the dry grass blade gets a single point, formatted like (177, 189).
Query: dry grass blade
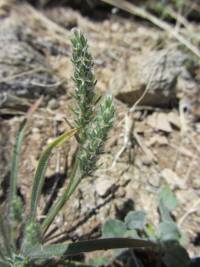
(137, 11)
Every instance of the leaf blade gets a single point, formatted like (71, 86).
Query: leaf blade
(58, 250)
(42, 166)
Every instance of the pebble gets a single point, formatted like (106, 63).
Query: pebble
(154, 180)
(121, 192)
(104, 185)
(53, 104)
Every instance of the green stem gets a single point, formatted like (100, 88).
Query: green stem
(6, 236)
(74, 180)
(41, 170)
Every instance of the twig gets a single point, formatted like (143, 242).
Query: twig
(59, 32)
(179, 18)
(18, 75)
(128, 129)
(183, 104)
(196, 146)
(129, 123)
(190, 168)
(133, 9)
(191, 210)
(56, 84)
(147, 151)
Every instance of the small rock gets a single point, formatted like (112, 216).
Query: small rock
(104, 185)
(146, 160)
(132, 189)
(197, 126)
(196, 183)
(154, 180)
(186, 152)
(172, 179)
(137, 115)
(35, 130)
(115, 27)
(53, 104)
(24, 71)
(157, 139)
(126, 177)
(120, 192)
(174, 119)
(159, 121)
(166, 66)
(140, 127)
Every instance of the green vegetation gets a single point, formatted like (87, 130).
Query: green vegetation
(22, 242)
(166, 235)
(23, 237)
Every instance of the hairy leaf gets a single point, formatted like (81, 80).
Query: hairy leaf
(135, 220)
(169, 231)
(65, 250)
(114, 228)
(168, 198)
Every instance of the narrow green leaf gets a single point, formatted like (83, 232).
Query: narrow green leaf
(16, 154)
(15, 162)
(2, 251)
(65, 250)
(5, 234)
(32, 235)
(74, 180)
(12, 197)
(14, 207)
(4, 264)
(42, 167)
(46, 252)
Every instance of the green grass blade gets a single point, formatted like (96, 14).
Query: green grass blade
(16, 153)
(4, 264)
(74, 180)
(15, 162)
(42, 167)
(2, 253)
(65, 250)
(4, 231)
(12, 197)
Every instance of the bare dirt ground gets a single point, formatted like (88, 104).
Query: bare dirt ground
(163, 129)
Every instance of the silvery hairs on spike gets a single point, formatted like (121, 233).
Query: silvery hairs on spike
(94, 128)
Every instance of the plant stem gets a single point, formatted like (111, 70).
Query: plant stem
(74, 180)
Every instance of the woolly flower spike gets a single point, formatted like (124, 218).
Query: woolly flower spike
(84, 80)
(96, 134)
(93, 128)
